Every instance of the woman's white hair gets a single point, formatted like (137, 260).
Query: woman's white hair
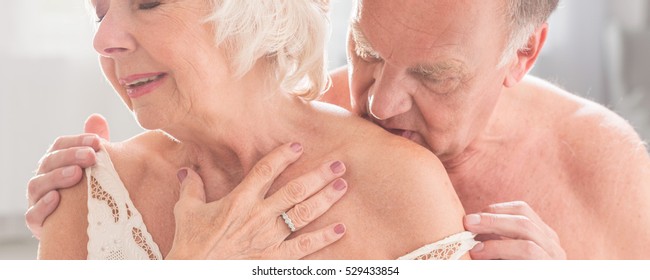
(289, 34)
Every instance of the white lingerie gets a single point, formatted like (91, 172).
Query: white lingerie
(116, 230)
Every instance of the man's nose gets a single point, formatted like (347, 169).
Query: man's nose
(390, 95)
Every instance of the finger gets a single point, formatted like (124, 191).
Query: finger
(308, 243)
(259, 179)
(521, 208)
(79, 156)
(511, 226)
(307, 211)
(42, 184)
(81, 140)
(36, 215)
(305, 186)
(97, 124)
(192, 189)
(508, 250)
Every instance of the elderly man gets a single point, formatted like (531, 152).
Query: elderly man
(542, 174)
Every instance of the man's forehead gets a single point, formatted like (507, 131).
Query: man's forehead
(423, 59)
(431, 16)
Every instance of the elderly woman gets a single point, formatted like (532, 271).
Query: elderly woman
(218, 84)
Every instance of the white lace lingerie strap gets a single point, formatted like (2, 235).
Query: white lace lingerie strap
(115, 228)
(450, 248)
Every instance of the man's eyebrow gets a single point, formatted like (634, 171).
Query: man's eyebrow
(441, 69)
(362, 46)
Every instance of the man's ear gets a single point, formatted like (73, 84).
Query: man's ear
(526, 57)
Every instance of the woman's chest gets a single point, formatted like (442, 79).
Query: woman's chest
(154, 196)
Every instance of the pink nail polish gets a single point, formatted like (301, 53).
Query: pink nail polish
(339, 184)
(337, 167)
(182, 174)
(339, 229)
(296, 147)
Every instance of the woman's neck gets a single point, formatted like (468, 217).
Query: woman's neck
(223, 142)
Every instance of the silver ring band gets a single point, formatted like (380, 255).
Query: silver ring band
(288, 221)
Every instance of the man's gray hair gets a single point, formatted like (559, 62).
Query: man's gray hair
(523, 17)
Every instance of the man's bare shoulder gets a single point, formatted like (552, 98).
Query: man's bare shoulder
(339, 93)
(583, 125)
(595, 142)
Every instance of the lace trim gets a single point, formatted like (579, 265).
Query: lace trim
(126, 235)
(128, 211)
(450, 248)
(139, 239)
(98, 193)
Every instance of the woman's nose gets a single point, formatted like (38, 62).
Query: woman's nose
(114, 36)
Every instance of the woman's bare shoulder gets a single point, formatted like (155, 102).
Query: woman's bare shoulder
(140, 155)
(410, 194)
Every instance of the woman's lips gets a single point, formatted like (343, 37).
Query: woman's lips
(141, 84)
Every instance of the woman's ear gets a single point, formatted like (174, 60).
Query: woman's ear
(526, 57)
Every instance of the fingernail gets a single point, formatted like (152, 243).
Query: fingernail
(339, 184)
(68, 171)
(182, 174)
(337, 167)
(339, 229)
(473, 219)
(477, 248)
(296, 147)
(81, 154)
(48, 197)
(88, 140)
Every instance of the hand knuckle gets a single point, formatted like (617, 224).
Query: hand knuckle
(531, 248)
(263, 169)
(325, 172)
(29, 218)
(57, 143)
(296, 190)
(303, 214)
(555, 237)
(304, 243)
(44, 162)
(181, 209)
(520, 205)
(525, 224)
(490, 220)
(32, 187)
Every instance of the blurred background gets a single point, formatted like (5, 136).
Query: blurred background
(50, 81)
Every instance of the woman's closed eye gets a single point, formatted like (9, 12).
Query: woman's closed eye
(101, 8)
(148, 5)
(142, 6)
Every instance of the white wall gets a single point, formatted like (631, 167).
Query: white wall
(49, 83)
